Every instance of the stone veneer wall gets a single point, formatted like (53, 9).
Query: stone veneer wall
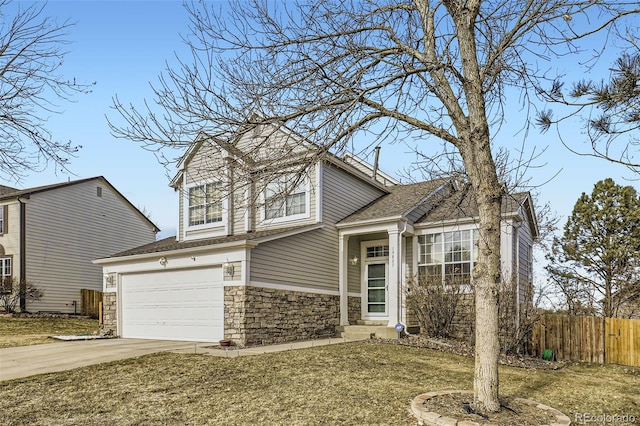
(354, 309)
(110, 313)
(256, 315)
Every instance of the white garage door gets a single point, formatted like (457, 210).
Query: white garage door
(173, 305)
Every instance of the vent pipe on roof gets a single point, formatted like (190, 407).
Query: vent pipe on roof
(375, 163)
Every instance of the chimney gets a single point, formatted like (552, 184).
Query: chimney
(375, 163)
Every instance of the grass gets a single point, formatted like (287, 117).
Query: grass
(353, 384)
(33, 331)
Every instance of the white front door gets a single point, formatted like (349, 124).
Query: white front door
(376, 291)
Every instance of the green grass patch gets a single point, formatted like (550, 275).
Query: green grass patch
(351, 384)
(33, 331)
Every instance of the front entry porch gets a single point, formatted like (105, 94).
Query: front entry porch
(373, 264)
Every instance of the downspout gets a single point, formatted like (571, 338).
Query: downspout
(23, 255)
(402, 263)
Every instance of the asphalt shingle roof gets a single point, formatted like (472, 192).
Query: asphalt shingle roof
(8, 192)
(399, 200)
(170, 243)
(462, 204)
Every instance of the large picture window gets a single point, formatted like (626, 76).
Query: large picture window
(285, 196)
(205, 204)
(449, 256)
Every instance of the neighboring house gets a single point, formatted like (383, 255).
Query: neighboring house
(263, 257)
(49, 236)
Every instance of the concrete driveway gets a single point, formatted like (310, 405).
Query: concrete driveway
(26, 361)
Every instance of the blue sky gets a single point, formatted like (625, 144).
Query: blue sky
(123, 45)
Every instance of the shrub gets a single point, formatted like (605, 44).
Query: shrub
(13, 290)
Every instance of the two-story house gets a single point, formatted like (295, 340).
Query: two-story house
(279, 241)
(50, 235)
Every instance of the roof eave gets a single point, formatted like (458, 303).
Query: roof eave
(365, 222)
(182, 251)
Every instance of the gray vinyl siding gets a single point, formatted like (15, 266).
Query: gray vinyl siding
(310, 260)
(271, 144)
(344, 194)
(69, 227)
(408, 244)
(180, 231)
(207, 165)
(525, 256)
(354, 271)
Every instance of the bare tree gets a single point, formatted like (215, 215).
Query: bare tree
(392, 70)
(609, 108)
(32, 49)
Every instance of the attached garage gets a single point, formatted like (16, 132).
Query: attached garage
(183, 304)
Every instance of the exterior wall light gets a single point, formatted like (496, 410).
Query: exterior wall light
(353, 261)
(228, 269)
(162, 261)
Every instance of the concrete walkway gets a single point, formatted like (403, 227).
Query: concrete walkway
(27, 361)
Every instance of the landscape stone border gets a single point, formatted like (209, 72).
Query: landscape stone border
(431, 418)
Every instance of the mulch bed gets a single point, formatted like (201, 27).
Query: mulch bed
(461, 348)
(513, 411)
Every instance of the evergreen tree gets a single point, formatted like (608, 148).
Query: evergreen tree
(595, 262)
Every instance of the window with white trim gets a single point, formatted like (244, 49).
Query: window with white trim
(285, 196)
(449, 256)
(205, 204)
(5, 275)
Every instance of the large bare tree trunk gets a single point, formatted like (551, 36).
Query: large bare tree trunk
(486, 274)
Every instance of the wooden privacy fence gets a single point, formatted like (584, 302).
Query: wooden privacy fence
(588, 339)
(91, 303)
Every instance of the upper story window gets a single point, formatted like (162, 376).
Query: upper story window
(205, 204)
(286, 196)
(448, 255)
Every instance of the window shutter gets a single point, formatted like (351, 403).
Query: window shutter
(5, 220)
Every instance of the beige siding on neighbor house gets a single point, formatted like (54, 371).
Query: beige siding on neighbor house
(10, 240)
(310, 260)
(68, 228)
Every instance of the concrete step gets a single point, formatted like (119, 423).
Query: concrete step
(353, 335)
(379, 323)
(366, 331)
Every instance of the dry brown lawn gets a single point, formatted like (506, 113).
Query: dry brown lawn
(33, 331)
(347, 384)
